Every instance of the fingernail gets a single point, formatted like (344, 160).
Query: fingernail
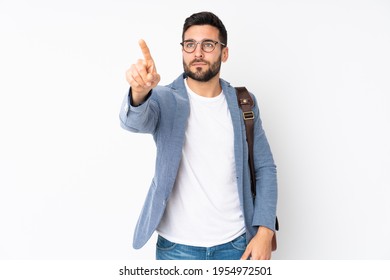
(148, 84)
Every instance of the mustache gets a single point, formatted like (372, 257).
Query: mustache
(198, 60)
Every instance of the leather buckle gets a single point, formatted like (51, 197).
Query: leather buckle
(245, 101)
(249, 115)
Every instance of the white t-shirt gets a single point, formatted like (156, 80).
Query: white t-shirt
(204, 207)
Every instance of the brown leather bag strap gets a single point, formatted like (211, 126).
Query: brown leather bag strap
(246, 103)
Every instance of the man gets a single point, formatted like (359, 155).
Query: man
(200, 199)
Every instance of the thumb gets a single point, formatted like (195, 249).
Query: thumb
(153, 78)
(157, 78)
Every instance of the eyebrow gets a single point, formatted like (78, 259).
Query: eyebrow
(207, 39)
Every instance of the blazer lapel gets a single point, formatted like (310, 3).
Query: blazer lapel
(235, 113)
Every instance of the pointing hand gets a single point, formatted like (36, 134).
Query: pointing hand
(142, 76)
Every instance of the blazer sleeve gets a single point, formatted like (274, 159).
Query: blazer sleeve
(142, 118)
(266, 176)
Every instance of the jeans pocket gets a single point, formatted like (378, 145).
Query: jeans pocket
(239, 243)
(164, 244)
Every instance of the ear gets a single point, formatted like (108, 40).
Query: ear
(225, 54)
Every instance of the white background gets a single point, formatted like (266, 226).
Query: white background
(72, 182)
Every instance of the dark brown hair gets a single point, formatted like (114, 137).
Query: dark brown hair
(206, 18)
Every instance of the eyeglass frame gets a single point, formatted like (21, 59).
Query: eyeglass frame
(201, 44)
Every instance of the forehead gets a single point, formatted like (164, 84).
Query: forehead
(200, 32)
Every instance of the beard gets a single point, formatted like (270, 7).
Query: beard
(200, 75)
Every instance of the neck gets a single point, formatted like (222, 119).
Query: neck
(210, 88)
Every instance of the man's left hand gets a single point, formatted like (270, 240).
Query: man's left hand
(260, 247)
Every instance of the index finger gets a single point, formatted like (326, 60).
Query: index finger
(145, 50)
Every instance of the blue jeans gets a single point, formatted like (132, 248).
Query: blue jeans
(167, 250)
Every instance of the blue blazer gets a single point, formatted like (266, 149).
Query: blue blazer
(164, 115)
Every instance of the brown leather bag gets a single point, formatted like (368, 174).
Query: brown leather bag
(246, 103)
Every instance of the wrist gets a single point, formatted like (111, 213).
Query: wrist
(138, 98)
(266, 232)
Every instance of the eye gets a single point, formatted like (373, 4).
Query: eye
(208, 45)
(189, 45)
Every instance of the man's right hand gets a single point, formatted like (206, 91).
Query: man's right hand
(142, 76)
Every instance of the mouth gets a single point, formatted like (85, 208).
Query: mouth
(198, 63)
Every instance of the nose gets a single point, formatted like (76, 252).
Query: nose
(198, 50)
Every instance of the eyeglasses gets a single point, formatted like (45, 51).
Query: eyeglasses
(189, 46)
